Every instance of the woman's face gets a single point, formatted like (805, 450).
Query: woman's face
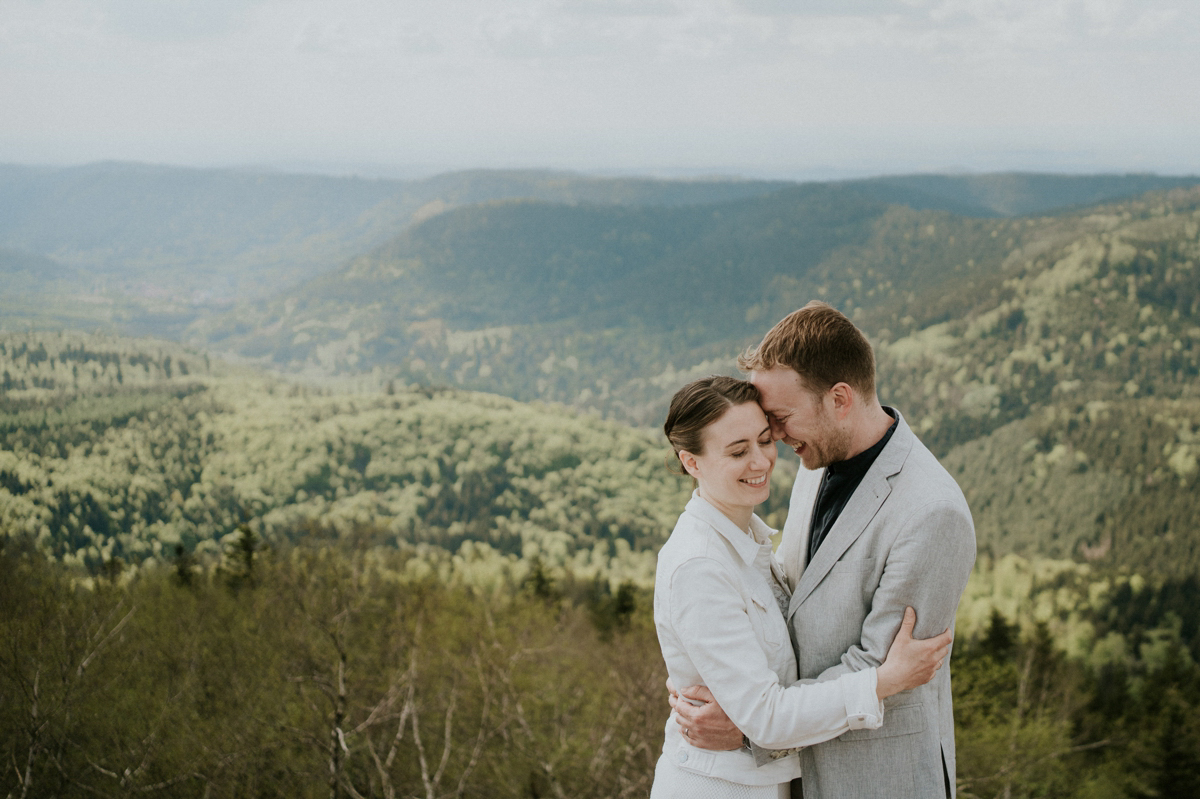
(734, 470)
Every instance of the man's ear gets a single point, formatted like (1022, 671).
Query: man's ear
(843, 398)
(688, 461)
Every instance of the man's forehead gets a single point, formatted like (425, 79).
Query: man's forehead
(782, 392)
(779, 384)
(773, 411)
(776, 407)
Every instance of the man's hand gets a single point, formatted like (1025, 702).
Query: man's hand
(704, 724)
(911, 661)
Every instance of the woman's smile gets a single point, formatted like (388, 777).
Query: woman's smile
(734, 468)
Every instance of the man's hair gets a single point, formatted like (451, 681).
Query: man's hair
(821, 345)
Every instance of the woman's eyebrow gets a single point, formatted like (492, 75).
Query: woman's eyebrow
(731, 444)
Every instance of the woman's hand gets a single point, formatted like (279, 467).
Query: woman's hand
(910, 661)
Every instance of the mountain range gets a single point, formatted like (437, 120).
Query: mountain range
(1042, 333)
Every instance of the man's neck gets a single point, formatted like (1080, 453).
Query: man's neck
(868, 428)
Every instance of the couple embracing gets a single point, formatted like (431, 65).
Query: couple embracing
(815, 671)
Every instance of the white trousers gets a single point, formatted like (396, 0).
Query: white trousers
(672, 782)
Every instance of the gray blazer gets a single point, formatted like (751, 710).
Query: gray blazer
(905, 538)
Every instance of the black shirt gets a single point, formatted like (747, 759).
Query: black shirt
(838, 484)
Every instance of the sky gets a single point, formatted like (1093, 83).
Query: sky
(780, 88)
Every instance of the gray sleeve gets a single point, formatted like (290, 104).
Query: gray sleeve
(926, 568)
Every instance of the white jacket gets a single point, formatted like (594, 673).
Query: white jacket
(719, 625)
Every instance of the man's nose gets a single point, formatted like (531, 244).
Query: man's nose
(776, 430)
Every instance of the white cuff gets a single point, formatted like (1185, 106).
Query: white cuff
(864, 709)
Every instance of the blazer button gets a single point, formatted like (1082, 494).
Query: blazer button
(683, 757)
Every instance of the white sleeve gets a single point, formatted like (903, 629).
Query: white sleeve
(712, 622)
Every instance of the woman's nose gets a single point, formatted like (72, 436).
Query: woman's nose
(760, 460)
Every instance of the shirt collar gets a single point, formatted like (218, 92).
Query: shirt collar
(746, 546)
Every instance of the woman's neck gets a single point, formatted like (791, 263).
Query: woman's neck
(738, 514)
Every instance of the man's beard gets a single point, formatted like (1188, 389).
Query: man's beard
(830, 446)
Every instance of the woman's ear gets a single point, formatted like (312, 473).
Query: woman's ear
(688, 461)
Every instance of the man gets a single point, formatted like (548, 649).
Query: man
(875, 524)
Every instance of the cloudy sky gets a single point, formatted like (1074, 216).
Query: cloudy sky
(786, 87)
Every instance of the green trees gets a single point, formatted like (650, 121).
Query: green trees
(200, 460)
(1032, 722)
(263, 587)
(342, 672)
(334, 674)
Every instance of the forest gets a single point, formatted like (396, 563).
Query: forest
(327, 668)
(390, 531)
(288, 589)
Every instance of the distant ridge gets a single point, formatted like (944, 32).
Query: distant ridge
(1013, 193)
(242, 234)
(239, 234)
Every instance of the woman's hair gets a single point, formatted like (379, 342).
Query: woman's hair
(821, 345)
(699, 404)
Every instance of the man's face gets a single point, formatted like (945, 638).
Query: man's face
(802, 419)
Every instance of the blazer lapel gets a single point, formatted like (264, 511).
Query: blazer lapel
(793, 548)
(862, 507)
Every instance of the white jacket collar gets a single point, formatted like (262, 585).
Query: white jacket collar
(745, 545)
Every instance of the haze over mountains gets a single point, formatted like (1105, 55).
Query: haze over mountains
(201, 236)
(235, 235)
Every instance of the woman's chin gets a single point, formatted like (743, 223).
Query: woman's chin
(757, 496)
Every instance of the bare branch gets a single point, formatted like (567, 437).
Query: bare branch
(447, 736)
(481, 735)
(100, 644)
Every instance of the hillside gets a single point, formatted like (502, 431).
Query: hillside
(987, 329)
(156, 248)
(248, 543)
(227, 570)
(199, 236)
(220, 518)
(1064, 347)
(506, 297)
(116, 448)
(513, 296)
(1064, 391)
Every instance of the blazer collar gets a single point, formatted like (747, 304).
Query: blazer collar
(744, 545)
(862, 507)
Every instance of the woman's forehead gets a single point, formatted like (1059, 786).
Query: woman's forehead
(740, 421)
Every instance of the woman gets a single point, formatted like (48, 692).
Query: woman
(719, 604)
